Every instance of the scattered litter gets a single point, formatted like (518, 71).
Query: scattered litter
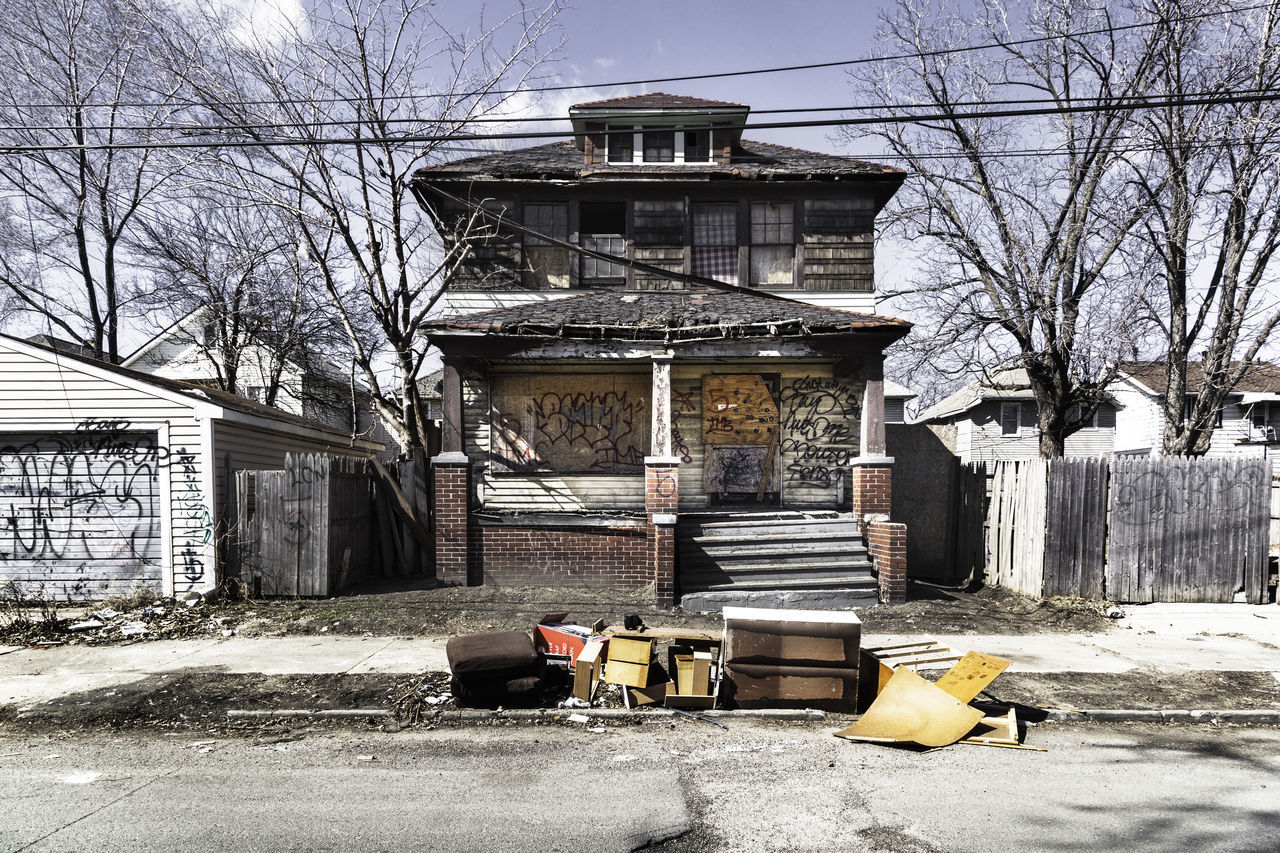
(132, 629)
(573, 702)
(699, 717)
(596, 729)
(365, 758)
(87, 625)
(1115, 613)
(618, 758)
(579, 718)
(193, 599)
(106, 614)
(85, 777)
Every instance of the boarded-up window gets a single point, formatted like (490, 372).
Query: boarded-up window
(544, 265)
(772, 243)
(738, 409)
(715, 244)
(587, 423)
(659, 223)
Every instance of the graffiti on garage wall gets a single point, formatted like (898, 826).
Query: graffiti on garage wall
(84, 505)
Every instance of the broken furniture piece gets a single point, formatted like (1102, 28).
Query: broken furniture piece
(561, 642)
(587, 669)
(629, 661)
(912, 710)
(494, 669)
(878, 663)
(792, 658)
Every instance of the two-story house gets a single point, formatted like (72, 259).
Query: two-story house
(1247, 425)
(995, 420)
(663, 322)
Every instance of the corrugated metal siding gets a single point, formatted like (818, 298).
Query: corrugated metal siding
(38, 392)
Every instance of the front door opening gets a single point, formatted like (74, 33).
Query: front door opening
(740, 433)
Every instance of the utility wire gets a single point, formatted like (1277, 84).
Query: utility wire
(946, 115)
(780, 69)
(515, 120)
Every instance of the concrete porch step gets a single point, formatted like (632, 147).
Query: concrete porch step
(850, 580)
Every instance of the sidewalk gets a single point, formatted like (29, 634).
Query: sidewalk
(1149, 642)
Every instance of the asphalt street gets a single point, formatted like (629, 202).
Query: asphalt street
(677, 786)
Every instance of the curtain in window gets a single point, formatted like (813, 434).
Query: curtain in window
(715, 244)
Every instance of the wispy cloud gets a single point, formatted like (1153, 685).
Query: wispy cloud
(604, 63)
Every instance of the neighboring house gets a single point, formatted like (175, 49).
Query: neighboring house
(995, 421)
(111, 478)
(665, 344)
(895, 402)
(1247, 424)
(310, 386)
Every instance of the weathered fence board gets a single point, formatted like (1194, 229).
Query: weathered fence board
(1075, 536)
(306, 530)
(1132, 530)
(1016, 526)
(1188, 529)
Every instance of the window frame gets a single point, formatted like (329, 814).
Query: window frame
(637, 132)
(1016, 406)
(786, 239)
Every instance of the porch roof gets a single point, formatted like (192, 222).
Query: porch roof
(670, 316)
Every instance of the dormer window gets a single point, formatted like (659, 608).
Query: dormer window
(657, 145)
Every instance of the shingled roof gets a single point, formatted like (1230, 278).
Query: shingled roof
(656, 101)
(561, 160)
(668, 316)
(1261, 377)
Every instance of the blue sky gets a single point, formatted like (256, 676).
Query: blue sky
(608, 41)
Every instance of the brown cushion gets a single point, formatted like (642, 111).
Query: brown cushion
(510, 653)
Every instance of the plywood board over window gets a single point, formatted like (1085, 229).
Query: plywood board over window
(584, 423)
(738, 408)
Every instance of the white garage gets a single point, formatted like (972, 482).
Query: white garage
(111, 479)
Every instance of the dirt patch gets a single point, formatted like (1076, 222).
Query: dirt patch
(427, 609)
(1140, 689)
(983, 610)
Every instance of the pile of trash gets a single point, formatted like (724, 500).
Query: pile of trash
(163, 618)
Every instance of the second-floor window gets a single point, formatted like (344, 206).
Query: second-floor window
(544, 265)
(773, 247)
(603, 226)
(715, 243)
(657, 145)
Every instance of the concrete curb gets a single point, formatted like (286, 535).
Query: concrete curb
(474, 715)
(1157, 715)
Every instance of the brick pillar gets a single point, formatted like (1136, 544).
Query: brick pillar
(872, 487)
(451, 474)
(661, 501)
(887, 544)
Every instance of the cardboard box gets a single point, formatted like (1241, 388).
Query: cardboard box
(554, 637)
(629, 662)
(587, 669)
(829, 638)
(697, 683)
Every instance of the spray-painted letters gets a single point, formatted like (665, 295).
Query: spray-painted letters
(819, 429)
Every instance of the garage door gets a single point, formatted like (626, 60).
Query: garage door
(80, 512)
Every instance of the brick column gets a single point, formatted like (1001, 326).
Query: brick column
(661, 501)
(451, 475)
(887, 544)
(872, 487)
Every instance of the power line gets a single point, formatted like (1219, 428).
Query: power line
(707, 76)
(946, 115)
(852, 108)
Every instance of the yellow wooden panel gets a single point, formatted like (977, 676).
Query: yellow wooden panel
(913, 710)
(971, 675)
(737, 408)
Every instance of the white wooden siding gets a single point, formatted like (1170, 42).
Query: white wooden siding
(980, 438)
(36, 392)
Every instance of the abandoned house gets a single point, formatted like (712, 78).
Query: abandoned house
(662, 363)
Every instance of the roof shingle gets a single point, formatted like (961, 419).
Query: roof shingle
(655, 101)
(668, 315)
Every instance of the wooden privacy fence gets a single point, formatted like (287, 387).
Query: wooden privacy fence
(1134, 530)
(324, 523)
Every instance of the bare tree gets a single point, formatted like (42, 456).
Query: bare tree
(230, 263)
(1209, 168)
(1019, 216)
(77, 76)
(398, 84)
